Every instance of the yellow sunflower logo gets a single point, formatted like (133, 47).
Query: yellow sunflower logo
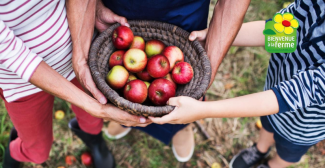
(285, 23)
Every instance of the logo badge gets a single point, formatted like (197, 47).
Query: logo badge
(281, 33)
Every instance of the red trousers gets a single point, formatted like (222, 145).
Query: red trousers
(32, 118)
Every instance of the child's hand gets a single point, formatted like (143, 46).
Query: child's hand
(187, 110)
(199, 35)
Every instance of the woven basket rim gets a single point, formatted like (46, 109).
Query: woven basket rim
(143, 110)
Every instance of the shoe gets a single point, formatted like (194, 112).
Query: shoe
(248, 158)
(117, 131)
(264, 165)
(102, 157)
(182, 141)
(8, 161)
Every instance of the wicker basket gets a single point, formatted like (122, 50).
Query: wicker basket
(194, 53)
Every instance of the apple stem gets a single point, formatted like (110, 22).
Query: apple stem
(158, 93)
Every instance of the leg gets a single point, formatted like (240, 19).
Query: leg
(32, 118)
(183, 144)
(265, 141)
(287, 153)
(87, 123)
(88, 129)
(277, 162)
(254, 154)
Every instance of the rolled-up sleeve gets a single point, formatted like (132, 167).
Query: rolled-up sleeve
(15, 56)
(305, 89)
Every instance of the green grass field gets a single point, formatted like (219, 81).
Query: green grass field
(242, 72)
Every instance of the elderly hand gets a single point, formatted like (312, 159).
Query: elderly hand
(105, 18)
(187, 110)
(199, 35)
(110, 112)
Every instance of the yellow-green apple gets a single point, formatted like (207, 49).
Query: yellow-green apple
(122, 37)
(182, 73)
(154, 47)
(136, 91)
(169, 77)
(117, 77)
(59, 114)
(131, 77)
(144, 75)
(160, 90)
(135, 60)
(174, 55)
(138, 43)
(158, 66)
(147, 83)
(116, 58)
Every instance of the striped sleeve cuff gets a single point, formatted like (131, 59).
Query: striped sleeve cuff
(15, 56)
(283, 105)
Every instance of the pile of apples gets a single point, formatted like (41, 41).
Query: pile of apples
(146, 71)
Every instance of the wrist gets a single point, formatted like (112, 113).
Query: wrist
(94, 107)
(79, 59)
(210, 109)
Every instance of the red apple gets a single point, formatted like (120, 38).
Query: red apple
(131, 78)
(117, 77)
(174, 55)
(116, 58)
(182, 73)
(70, 160)
(135, 60)
(144, 75)
(122, 37)
(86, 159)
(138, 43)
(154, 47)
(169, 77)
(158, 66)
(160, 90)
(147, 84)
(136, 91)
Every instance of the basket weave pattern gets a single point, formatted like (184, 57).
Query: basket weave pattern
(194, 54)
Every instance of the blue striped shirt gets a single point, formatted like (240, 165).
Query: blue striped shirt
(298, 78)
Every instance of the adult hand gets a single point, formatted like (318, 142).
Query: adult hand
(105, 18)
(187, 110)
(82, 71)
(199, 35)
(111, 113)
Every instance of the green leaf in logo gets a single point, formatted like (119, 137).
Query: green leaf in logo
(268, 32)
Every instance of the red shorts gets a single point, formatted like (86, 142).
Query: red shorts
(32, 118)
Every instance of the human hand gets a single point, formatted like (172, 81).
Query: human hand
(82, 72)
(199, 35)
(187, 110)
(110, 112)
(105, 18)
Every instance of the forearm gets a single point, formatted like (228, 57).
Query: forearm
(225, 23)
(52, 82)
(258, 104)
(250, 35)
(81, 18)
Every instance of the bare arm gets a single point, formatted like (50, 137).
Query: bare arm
(52, 82)
(188, 110)
(250, 35)
(225, 23)
(81, 18)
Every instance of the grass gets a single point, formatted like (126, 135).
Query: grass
(242, 72)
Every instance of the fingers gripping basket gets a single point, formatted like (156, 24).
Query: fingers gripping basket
(194, 53)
